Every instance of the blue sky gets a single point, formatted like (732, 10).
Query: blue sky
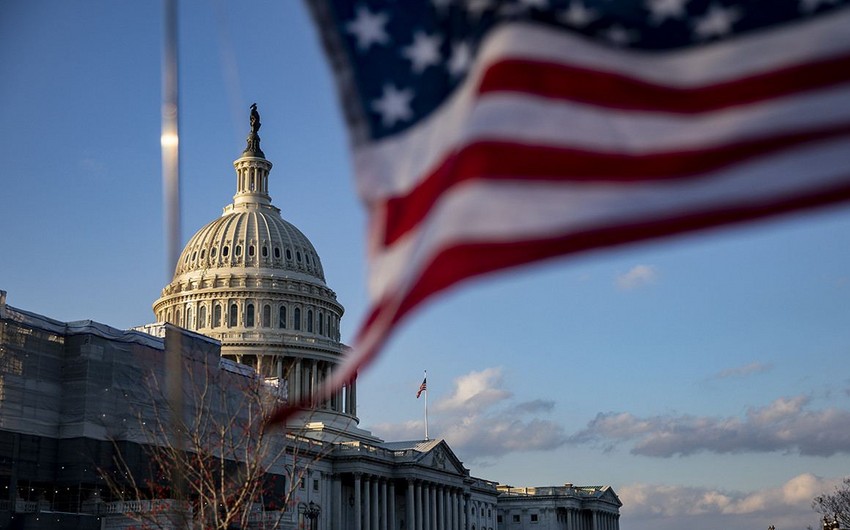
(703, 377)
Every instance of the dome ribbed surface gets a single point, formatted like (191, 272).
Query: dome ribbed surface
(250, 238)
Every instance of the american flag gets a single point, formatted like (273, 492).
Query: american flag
(422, 388)
(488, 134)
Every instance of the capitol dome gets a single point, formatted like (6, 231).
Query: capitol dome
(253, 281)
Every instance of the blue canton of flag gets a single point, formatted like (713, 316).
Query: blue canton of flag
(404, 57)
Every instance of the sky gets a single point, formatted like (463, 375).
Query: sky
(703, 377)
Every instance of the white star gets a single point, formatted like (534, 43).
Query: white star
(663, 9)
(368, 28)
(461, 58)
(577, 15)
(476, 8)
(535, 4)
(393, 105)
(809, 6)
(717, 22)
(619, 36)
(423, 52)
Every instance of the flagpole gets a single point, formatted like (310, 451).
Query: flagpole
(426, 404)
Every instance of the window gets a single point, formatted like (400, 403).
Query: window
(177, 318)
(251, 250)
(265, 251)
(315, 485)
(534, 518)
(298, 256)
(301, 483)
(203, 253)
(288, 254)
(267, 316)
(309, 321)
(238, 250)
(281, 317)
(321, 323)
(296, 319)
(202, 316)
(249, 316)
(329, 325)
(473, 510)
(212, 252)
(499, 519)
(276, 252)
(515, 518)
(189, 317)
(225, 251)
(233, 314)
(216, 316)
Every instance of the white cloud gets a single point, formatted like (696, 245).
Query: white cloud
(743, 371)
(476, 390)
(663, 507)
(480, 420)
(638, 276)
(785, 425)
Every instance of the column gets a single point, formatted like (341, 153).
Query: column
(384, 505)
(336, 510)
(452, 510)
(410, 523)
(447, 511)
(441, 509)
(459, 509)
(314, 382)
(464, 523)
(375, 512)
(418, 501)
(391, 515)
(594, 524)
(432, 501)
(367, 504)
(358, 513)
(426, 506)
(297, 390)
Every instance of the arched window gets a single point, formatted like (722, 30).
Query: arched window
(249, 316)
(189, 317)
(233, 314)
(321, 323)
(177, 317)
(309, 321)
(281, 317)
(267, 316)
(329, 325)
(216, 316)
(202, 317)
(296, 319)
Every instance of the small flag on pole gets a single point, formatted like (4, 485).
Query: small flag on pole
(422, 388)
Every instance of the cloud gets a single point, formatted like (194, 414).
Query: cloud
(638, 276)
(743, 371)
(659, 507)
(785, 425)
(475, 390)
(480, 420)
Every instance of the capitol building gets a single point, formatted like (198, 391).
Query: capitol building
(248, 296)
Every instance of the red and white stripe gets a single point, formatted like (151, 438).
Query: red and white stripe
(555, 145)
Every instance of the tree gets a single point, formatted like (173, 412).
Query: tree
(217, 466)
(836, 505)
